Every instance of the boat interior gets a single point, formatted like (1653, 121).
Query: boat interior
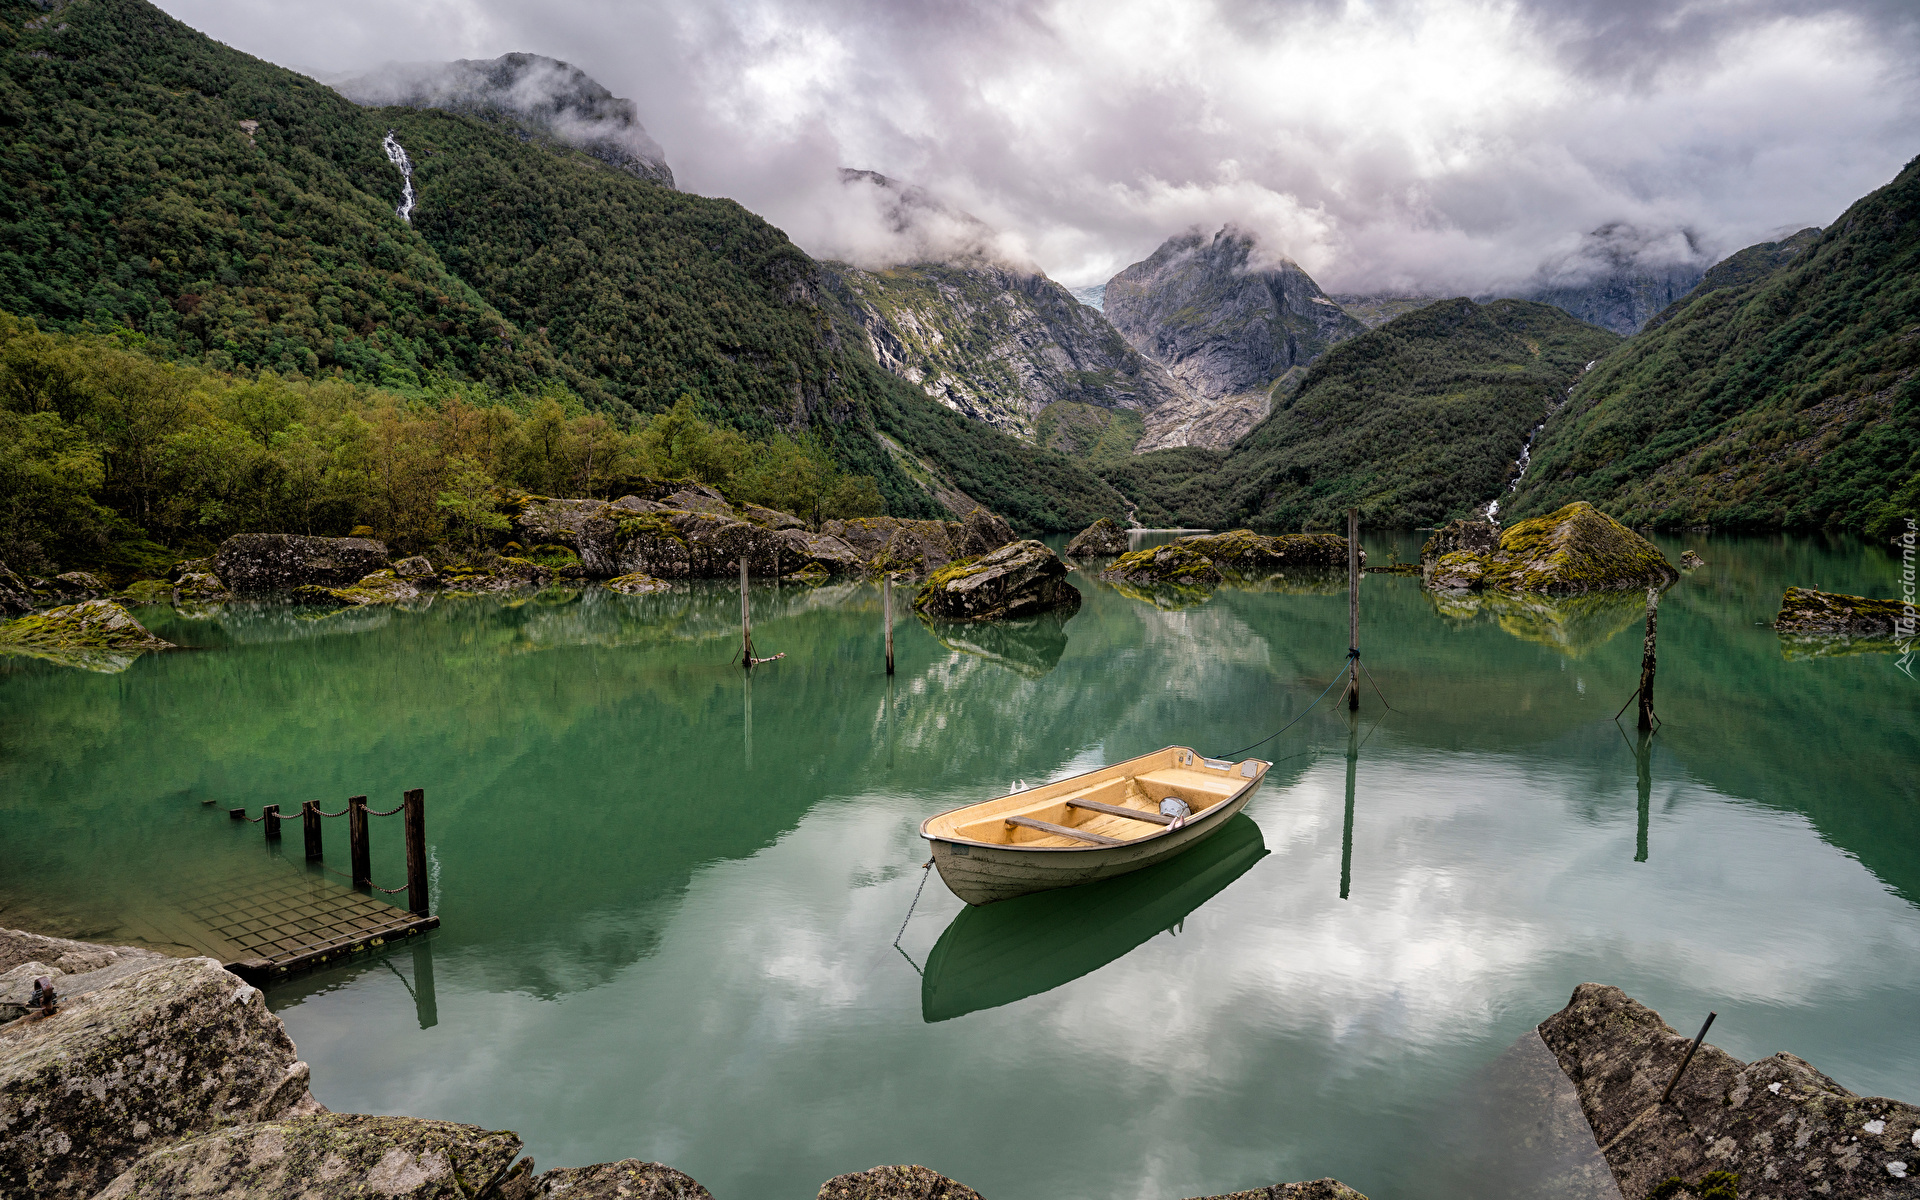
(1108, 807)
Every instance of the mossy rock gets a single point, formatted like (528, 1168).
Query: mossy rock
(812, 575)
(1804, 610)
(1098, 540)
(1245, 552)
(93, 635)
(1572, 550)
(148, 591)
(381, 587)
(1018, 579)
(1177, 565)
(638, 584)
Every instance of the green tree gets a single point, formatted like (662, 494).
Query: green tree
(468, 500)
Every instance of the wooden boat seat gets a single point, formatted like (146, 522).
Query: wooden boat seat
(1115, 810)
(1099, 839)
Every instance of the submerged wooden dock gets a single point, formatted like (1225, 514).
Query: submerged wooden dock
(281, 919)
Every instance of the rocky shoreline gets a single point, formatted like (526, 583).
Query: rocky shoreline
(168, 1077)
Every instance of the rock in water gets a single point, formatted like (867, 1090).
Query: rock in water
(381, 587)
(1318, 1189)
(1245, 552)
(1014, 581)
(895, 1183)
(1803, 610)
(1576, 549)
(327, 1154)
(628, 1179)
(94, 635)
(178, 1048)
(1785, 1128)
(1176, 565)
(1690, 561)
(637, 584)
(1480, 537)
(281, 562)
(1103, 537)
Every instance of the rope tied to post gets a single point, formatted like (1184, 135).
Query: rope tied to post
(1290, 724)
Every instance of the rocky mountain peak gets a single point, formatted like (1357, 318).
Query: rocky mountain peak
(541, 97)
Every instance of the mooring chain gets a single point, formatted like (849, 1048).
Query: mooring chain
(924, 872)
(1303, 713)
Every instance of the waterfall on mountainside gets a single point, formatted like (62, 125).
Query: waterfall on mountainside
(397, 155)
(1519, 470)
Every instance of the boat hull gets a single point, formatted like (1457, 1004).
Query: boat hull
(981, 874)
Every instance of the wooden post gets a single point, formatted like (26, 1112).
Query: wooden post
(1682, 1070)
(886, 606)
(1346, 834)
(414, 812)
(746, 620)
(310, 826)
(270, 822)
(1643, 763)
(1353, 608)
(357, 847)
(1646, 661)
(238, 814)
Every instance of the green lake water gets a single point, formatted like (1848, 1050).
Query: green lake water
(670, 894)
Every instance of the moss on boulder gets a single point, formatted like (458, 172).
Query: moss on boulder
(1804, 610)
(1575, 549)
(1467, 533)
(1016, 580)
(328, 1154)
(1098, 540)
(94, 635)
(637, 584)
(895, 1183)
(1177, 565)
(628, 1179)
(1245, 552)
(381, 587)
(1317, 1189)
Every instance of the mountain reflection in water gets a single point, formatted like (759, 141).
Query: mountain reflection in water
(998, 953)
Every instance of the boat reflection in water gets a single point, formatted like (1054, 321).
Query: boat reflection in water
(995, 954)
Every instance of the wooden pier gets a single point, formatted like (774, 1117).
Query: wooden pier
(280, 919)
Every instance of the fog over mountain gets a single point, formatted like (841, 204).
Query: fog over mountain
(1436, 146)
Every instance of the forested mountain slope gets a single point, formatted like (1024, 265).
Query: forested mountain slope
(1415, 422)
(241, 216)
(1791, 401)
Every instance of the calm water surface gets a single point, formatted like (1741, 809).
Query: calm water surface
(670, 895)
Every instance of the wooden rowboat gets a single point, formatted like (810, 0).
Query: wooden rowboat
(1093, 826)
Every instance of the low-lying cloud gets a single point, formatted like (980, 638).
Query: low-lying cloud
(1432, 145)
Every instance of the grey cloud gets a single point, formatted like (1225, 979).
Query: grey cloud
(1435, 145)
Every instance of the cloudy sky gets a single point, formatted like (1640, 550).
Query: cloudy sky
(1451, 145)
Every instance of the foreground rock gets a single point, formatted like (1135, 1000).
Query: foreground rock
(1103, 537)
(628, 1179)
(1318, 1189)
(1016, 580)
(1787, 1130)
(63, 954)
(178, 1047)
(1803, 610)
(94, 635)
(327, 1154)
(1576, 549)
(1245, 552)
(895, 1183)
(281, 562)
(1177, 565)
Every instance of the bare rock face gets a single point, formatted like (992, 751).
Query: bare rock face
(628, 1179)
(178, 1048)
(1803, 610)
(895, 1183)
(983, 532)
(281, 562)
(65, 955)
(1017, 580)
(821, 552)
(16, 598)
(894, 544)
(327, 1154)
(1573, 550)
(1098, 540)
(1480, 537)
(1177, 565)
(1318, 1189)
(1245, 552)
(1787, 1130)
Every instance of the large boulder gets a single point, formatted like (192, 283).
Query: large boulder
(16, 598)
(94, 635)
(823, 551)
(178, 1047)
(1245, 552)
(281, 562)
(1176, 565)
(894, 544)
(1576, 549)
(895, 1183)
(1101, 539)
(1016, 580)
(1786, 1129)
(63, 954)
(1803, 610)
(982, 532)
(327, 1154)
(1468, 533)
